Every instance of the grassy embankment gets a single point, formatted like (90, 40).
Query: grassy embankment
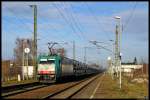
(128, 90)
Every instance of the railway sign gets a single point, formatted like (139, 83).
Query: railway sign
(26, 50)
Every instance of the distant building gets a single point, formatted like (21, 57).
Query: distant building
(132, 69)
(129, 67)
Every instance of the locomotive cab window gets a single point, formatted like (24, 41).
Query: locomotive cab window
(43, 62)
(47, 62)
(51, 61)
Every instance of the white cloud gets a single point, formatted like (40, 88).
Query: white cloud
(138, 23)
(49, 17)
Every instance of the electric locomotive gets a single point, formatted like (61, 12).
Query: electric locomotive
(54, 68)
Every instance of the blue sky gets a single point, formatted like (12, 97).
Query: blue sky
(79, 22)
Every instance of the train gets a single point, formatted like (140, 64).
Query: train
(55, 68)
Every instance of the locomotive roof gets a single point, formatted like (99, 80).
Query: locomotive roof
(44, 56)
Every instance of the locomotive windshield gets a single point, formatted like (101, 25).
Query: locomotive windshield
(43, 62)
(47, 61)
(46, 66)
(50, 61)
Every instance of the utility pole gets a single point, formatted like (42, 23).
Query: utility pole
(22, 59)
(27, 67)
(74, 50)
(120, 50)
(116, 51)
(35, 41)
(109, 64)
(113, 58)
(112, 67)
(85, 55)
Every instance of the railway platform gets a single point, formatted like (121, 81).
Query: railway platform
(105, 87)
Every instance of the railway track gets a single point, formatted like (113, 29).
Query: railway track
(71, 91)
(93, 90)
(62, 90)
(12, 90)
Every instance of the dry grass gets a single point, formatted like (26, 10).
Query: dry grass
(128, 90)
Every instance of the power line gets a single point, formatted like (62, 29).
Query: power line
(54, 28)
(96, 19)
(28, 26)
(62, 15)
(79, 27)
(46, 37)
(130, 16)
(75, 23)
(12, 11)
(54, 35)
(99, 46)
(72, 21)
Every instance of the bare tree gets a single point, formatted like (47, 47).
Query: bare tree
(135, 60)
(21, 44)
